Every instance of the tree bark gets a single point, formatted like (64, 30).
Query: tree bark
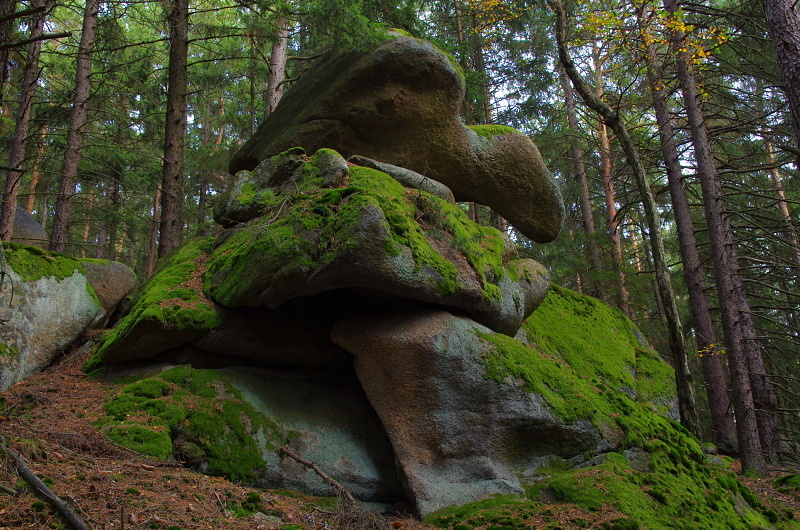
(151, 255)
(77, 119)
(36, 169)
(607, 173)
(175, 130)
(734, 306)
(6, 8)
(677, 345)
(722, 424)
(277, 64)
(19, 142)
(783, 21)
(584, 197)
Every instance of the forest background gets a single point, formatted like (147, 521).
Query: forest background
(670, 127)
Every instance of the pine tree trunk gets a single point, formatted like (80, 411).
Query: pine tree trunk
(579, 168)
(6, 8)
(175, 131)
(783, 21)
(19, 142)
(677, 345)
(36, 170)
(732, 298)
(723, 426)
(277, 64)
(151, 255)
(77, 119)
(87, 224)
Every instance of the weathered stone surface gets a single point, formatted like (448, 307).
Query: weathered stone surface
(111, 281)
(376, 235)
(51, 306)
(457, 435)
(27, 231)
(333, 425)
(399, 104)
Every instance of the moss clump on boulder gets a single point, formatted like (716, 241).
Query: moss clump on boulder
(195, 416)
(33, 263)
(169, 309)
(8, 351)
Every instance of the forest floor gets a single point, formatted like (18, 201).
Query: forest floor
(48, 420)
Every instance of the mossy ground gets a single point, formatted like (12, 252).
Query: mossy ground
(159, 415)
(301, 231)
(586, 362)
(173, 297)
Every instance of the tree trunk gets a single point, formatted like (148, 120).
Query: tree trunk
(783, 21)
(732, 298)
(77, 119)
(6, 8)
(277, 64)
(723, 426)
(677, 345)
(151, 255)
(87, 224)
(607, 173)
(175, 131)
(36, 169)
(19, 142)
(579, 168)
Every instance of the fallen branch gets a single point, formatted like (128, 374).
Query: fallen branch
(60, 506)
(6, 489)
(331, 482)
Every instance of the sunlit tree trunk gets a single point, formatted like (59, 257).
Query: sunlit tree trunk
(734, 306)
(19, 142)
(607, 173)
(175, 131)
(87, 224)
(585, 201)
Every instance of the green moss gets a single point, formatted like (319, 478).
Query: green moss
(490, 131)
(8, 352)
(172, 298)
(32, 263)
(200, 407)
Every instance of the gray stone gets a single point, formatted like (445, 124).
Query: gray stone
(399, 104)
(44, 317)
(334, 426)
(111, 281)
(457, 436)
(28, 231)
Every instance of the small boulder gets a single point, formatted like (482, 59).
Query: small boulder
(28, 231)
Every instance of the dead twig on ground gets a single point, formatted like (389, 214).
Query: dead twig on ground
(55, 501)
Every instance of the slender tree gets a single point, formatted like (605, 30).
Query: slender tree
(734, 306)
(677, 344)
(783, 19)
(175, 130)
(77, 119)
(22, 127)
(723, 427)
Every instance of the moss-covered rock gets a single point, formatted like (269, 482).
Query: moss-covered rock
(170, 310)
(373, 234)
(399, 103)
(163, 415)
(46, 302)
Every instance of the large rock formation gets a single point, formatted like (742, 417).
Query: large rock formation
(353, 312)
(399, 104)
(47, 301)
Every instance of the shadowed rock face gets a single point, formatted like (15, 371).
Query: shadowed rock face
(399, 104)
